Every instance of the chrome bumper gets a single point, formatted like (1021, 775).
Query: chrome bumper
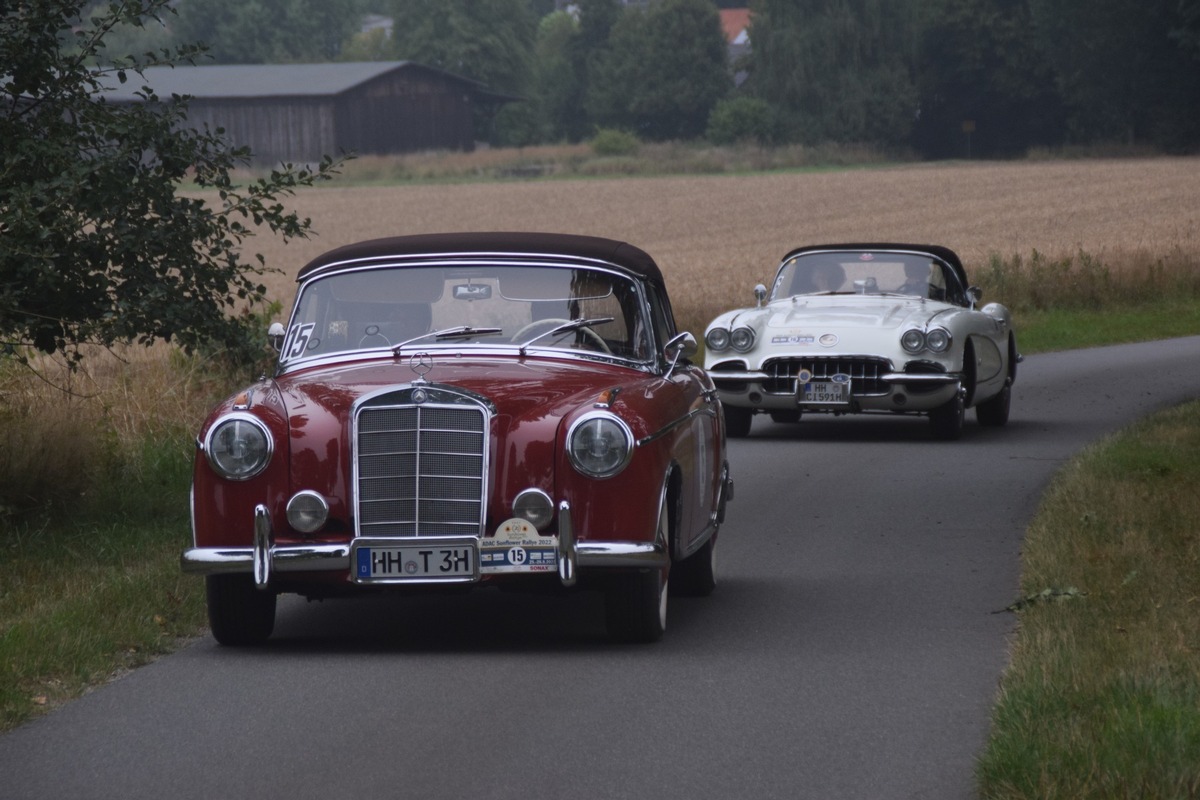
(933, 378)
(265, 557)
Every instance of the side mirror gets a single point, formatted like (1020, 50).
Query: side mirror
(275, 335)
(760, 295)
(681, 347)
(974, 295)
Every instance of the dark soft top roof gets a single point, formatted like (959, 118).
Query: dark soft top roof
(502, 244)
(944, 253)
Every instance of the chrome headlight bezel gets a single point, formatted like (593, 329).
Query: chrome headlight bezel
(913, 340)
(535, 507)
(938, 340)
(742, 339)
(250, 436)
(599, 444)
(307, 511)
(717, 340)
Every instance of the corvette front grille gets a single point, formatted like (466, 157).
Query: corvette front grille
(421, 470)
(864, 373)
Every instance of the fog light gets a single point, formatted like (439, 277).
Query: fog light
(535, 507)
(307, 511)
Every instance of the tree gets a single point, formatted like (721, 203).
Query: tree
(663, 72)
(837, 70)
(985, 85)
(558, 79)
(1125, 69)
(486, 40)
(269, 31)
(97, 244)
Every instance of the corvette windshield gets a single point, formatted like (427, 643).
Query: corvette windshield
(480, 305)
(860, 272)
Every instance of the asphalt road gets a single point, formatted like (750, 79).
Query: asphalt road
(852, 649)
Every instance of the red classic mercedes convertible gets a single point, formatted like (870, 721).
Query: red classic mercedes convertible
(466, 409)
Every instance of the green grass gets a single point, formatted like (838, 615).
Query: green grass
(1071, 329)
(1102, 698)
(91, 583)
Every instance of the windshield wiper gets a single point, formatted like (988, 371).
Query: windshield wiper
(461, 332)
(566, 327)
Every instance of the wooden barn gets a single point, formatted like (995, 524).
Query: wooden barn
(297, 113)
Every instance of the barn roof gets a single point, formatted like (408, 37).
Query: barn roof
(232, 81)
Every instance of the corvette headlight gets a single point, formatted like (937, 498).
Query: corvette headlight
(238, 447)
(717, 339)
(599, 445)
(913, 341)
(938, 340)
(742, 339)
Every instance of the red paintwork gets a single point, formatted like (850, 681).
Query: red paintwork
(536, 400)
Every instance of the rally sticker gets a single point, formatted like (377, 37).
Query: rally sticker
(517, 547)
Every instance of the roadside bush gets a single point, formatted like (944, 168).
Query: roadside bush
(612, 142)
(741, 119)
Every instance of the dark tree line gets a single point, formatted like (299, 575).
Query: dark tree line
(1000, 76)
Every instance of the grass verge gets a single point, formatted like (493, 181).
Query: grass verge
(1102, 698)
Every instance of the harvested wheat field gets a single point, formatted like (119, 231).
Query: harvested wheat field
(716, 236)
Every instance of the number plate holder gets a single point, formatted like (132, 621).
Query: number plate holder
(452, 559)
(833, 392)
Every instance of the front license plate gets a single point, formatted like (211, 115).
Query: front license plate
(453, 560)
(825, 393)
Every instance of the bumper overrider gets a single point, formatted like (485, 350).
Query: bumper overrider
(264, 557)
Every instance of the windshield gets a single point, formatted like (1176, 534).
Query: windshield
(419, 307)
(862, 272)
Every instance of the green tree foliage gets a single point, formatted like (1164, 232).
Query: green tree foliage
(742, 119)
(269, 31)
(1126, 68)
(97, 245)
(486, 40)
(663, 71)
(838, 70)
(558, 79)
(986, 87)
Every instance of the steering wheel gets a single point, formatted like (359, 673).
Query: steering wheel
(550, 324)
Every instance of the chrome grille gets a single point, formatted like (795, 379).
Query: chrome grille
(421, 470)
(864, 373)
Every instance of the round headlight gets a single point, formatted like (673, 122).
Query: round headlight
(717, 339)
(307, 511)
(938, 340)
(913, 341)
(534, 506)
(599, 445)
(742, 339)
(238, 447)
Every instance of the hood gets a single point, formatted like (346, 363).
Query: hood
(851, 311)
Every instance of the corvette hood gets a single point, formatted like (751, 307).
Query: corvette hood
(850, 312)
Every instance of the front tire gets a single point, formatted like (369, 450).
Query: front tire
(238, 613)
(993, 412)
(947, 419)
(635, 607)
(737, 422)
(696, 575)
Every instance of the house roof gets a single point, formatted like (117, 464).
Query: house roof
(263, 80)
(734, 21)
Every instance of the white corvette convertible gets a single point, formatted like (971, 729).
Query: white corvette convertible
(858, 328)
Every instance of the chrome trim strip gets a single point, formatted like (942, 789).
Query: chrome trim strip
(285, 558)
(738, 376)
(670, 426)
